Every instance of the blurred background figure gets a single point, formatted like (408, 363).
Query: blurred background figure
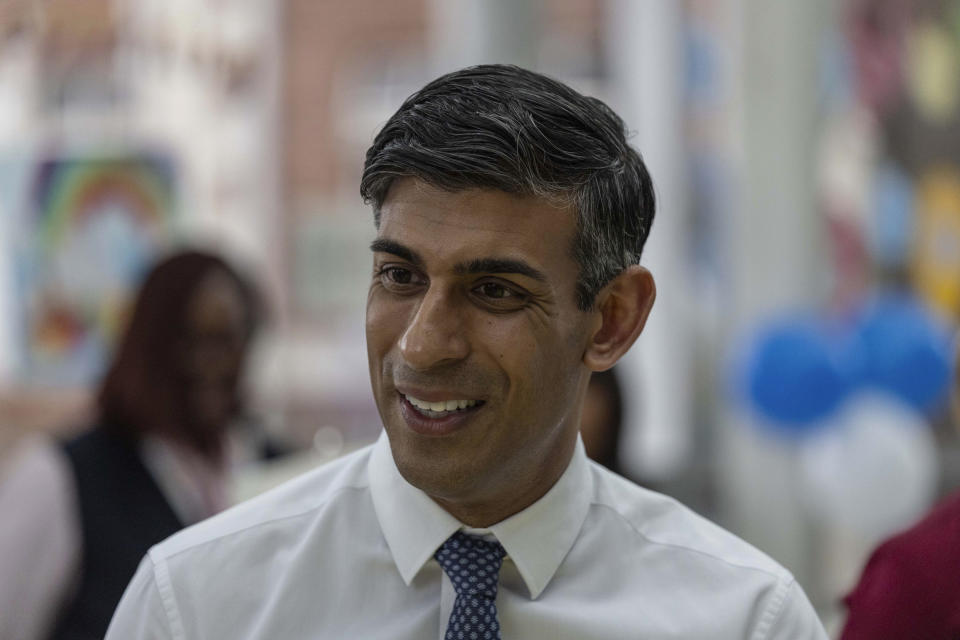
(906, 588)
(792, 381)
(602, 419)
(80, 515)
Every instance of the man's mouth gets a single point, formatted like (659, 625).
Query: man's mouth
(441, 408)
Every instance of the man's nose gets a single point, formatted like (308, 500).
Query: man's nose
(436, 335)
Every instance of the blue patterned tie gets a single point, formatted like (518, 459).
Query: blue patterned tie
(473, 566)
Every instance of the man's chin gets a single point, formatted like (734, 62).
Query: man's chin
(437, 473)
(451, 491)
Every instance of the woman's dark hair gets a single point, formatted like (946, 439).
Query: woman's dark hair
(143, 391)
(506, 128)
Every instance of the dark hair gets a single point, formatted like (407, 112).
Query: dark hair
(607, 385)
(142, 391)
(506, 128)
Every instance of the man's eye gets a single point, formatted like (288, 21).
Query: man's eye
(500, 297)
(397, 278)
(495, 291)
(396, 275)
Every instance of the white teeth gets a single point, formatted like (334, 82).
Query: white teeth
(441, 406)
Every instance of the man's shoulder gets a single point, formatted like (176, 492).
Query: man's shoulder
(660, 521)
(306, 496)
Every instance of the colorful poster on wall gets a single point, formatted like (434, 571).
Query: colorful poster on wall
(891, 150)
(90, 228)
(936, 250)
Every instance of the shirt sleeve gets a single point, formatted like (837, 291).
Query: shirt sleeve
(39, 541)
(790, 616)
(141, 614)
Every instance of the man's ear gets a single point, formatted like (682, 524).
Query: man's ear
(622, 308)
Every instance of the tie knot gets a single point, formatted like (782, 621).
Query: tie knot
(472, 564)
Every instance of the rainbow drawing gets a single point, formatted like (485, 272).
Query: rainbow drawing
(93, 224)
(66, 191)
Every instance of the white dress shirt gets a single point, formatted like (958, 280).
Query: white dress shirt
(346, 551)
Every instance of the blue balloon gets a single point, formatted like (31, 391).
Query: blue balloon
(796, 372)
(908, 351)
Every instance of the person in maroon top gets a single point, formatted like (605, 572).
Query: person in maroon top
(910, 587)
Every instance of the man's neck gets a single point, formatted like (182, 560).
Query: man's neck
(487, 511)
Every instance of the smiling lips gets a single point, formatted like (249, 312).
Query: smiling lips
(441, 408)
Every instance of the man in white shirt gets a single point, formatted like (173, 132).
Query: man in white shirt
(511, 214)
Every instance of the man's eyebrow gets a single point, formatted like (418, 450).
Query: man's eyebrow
(479, 265)
(383, 245)
(500, 265)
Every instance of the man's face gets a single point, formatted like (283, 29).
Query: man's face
(475, 344)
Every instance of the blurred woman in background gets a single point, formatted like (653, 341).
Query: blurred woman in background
(78, 517)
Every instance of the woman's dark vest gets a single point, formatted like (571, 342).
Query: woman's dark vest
(122, 514)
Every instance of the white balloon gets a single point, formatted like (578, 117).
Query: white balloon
(875, 471)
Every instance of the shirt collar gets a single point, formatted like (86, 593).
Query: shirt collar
(537, 539)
